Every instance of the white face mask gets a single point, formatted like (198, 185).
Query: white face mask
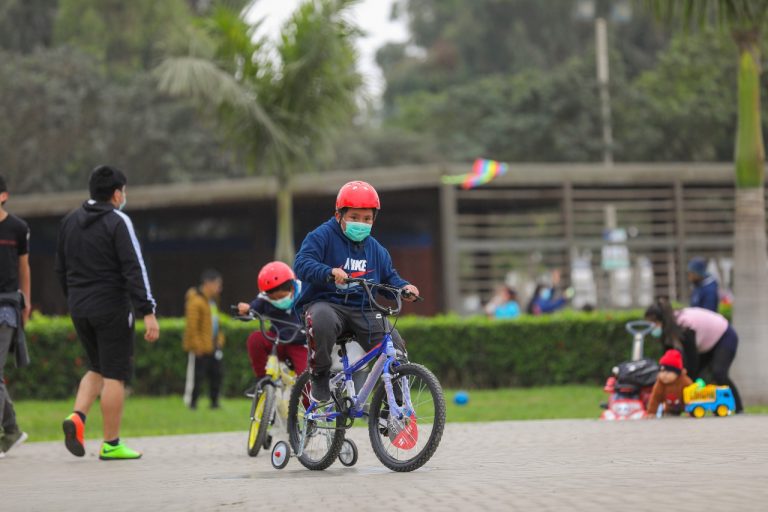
(123, 202)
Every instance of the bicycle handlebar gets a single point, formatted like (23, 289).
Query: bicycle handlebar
(255, 315)
(399, 293)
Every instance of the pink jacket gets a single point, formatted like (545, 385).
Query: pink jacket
(708, 326)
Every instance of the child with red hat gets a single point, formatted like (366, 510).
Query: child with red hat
(278, 292)
(668, 389)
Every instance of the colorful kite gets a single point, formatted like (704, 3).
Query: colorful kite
(483, 171)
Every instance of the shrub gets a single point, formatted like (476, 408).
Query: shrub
(564, 348)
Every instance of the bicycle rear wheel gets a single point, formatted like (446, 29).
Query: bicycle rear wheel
(406, 444)
(322, 439)
(262, 409)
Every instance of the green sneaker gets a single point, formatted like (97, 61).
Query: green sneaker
(119, 452)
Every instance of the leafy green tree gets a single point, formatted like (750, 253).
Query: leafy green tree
(26, 25)
(466, 39)
(528, 116)
(283, 105)
(745, 20)
(667, 113)
(61, 117)
(124, 36)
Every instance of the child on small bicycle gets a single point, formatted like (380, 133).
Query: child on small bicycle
(278, 289)
(340, 248)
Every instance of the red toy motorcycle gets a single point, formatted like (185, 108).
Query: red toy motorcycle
(632, 381)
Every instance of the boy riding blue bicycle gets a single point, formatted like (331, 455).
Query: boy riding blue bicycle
(339, 249)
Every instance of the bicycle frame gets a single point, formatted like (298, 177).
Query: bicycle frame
(385, 356)
(281, 376)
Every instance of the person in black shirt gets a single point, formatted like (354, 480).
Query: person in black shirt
(102, 273)
(14, 276)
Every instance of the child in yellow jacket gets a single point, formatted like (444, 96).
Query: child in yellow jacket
(203, 339)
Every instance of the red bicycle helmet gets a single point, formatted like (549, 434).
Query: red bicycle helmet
(357, 194)
(274, 274)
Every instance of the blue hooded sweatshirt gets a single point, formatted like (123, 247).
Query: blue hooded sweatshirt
(705, 294)
(326, 248)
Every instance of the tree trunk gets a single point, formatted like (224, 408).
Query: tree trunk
(285, 250)
(750, 317)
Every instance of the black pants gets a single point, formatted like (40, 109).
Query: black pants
(208, 368)
(719, 360)
(7, 413)
(327, 321)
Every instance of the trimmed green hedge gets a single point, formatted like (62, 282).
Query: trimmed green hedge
(474, 353)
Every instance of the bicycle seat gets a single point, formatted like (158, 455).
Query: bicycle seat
(354, 351)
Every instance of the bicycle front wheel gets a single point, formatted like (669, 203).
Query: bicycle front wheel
(320, 440)
(406, 444)
(262, 409)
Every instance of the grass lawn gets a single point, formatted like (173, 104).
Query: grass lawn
(148, 416)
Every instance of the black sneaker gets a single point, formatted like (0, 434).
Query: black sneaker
(320, 389)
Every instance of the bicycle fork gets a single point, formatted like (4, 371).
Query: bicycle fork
(395, 410)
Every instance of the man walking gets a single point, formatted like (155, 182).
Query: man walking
(15, 307)
(102, 271)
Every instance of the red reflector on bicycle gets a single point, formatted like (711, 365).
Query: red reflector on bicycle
(406, 439)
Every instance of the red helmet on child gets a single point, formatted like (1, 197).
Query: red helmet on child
(274, 274)
(357, 194)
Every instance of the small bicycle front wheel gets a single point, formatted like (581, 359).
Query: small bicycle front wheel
(261, 415)
(317, 441)
(406, 444)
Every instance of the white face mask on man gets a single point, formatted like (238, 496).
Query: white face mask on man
(124, 201)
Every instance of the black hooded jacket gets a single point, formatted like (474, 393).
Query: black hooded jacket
(99, 262)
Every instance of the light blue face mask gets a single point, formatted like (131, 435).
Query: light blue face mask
(357, 231)
(656, 332)
(285, 303)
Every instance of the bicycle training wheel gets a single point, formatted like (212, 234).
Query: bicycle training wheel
(406, 444)
(281, 454)
(321, 438)
(262, 409)
(348, 453)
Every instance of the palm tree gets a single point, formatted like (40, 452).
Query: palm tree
(745, 19)
(285, 103)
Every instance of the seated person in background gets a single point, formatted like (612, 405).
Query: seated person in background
(546, 299)
(668, 389)
(503, 304)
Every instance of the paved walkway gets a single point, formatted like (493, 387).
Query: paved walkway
(677, 464)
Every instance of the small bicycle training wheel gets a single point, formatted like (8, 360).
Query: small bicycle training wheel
(281, 454)
(348, 453)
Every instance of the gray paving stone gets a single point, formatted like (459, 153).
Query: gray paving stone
(684, 464)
